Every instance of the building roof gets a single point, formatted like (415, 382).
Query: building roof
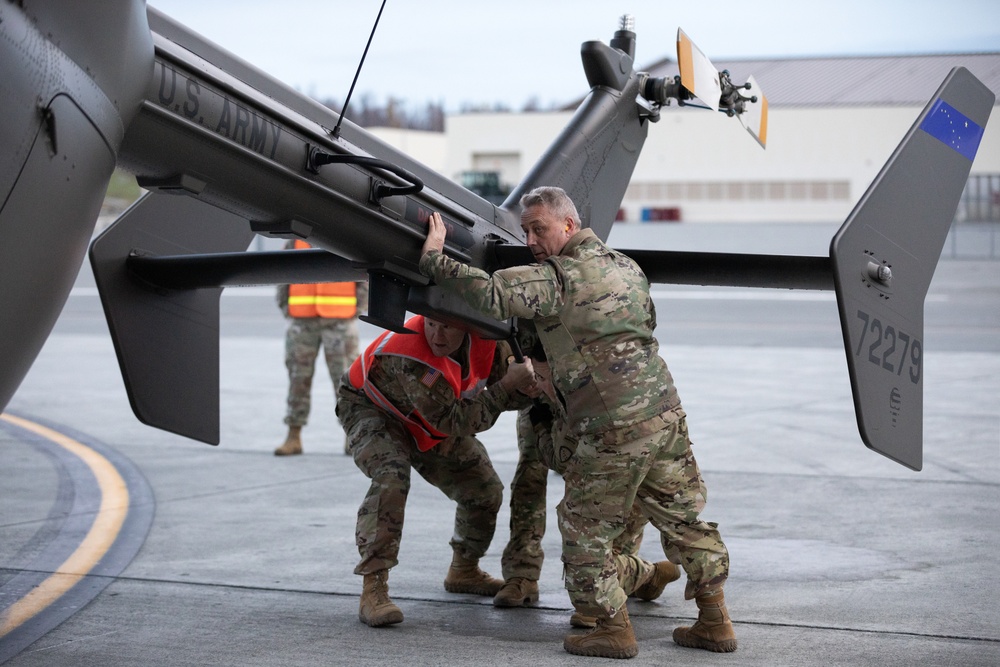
(902, 80)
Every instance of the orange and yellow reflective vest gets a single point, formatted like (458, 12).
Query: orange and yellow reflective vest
(414, 346)
(338, 301)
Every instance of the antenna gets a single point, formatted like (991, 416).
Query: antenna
(343, 112)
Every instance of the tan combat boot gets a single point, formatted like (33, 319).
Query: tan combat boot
(517, 592)
(292, 444)
(464, 576)
(376, 609)
(663, 573)
(712, 631)
(611, 638)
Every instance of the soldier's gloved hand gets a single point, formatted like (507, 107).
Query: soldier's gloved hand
(520, 377)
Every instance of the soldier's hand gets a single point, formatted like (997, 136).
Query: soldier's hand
(520, 377)
(436, 233)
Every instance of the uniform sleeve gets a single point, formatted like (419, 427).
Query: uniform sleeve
(410, 385)
(529, 291)
(281, 293)
(499, 369)
(281, 296)
(361, 291)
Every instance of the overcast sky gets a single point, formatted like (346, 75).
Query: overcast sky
(511, 51)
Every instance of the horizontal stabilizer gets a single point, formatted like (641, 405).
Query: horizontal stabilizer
(239, 269)
(680, 267)
(167, 340)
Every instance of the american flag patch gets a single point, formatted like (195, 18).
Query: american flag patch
(430, 376)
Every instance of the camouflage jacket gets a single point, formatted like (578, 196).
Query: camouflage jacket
(400, 380)
(595, 319)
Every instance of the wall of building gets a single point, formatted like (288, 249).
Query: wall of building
(430, 148)
(818, 161)
(517, 141)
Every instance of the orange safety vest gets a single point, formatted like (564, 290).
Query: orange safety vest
(338, 301)
(414, 346)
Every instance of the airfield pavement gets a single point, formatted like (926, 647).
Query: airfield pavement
(231, 556)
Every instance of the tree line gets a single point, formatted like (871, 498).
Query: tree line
(366, 111)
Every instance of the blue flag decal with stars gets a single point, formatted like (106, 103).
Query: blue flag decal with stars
(953, 128)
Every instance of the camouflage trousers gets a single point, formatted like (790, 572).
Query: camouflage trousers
(651, 465)
(385, 452)
(542, 447)
(339, 340)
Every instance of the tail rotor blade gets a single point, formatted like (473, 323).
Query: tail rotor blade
(754, 116)
(698, 74)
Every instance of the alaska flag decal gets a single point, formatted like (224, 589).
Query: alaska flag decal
(953, 128)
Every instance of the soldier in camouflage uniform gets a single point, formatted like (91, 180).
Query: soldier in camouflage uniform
(542, 446)
(400, 411)
(595, 318)
(338, 336)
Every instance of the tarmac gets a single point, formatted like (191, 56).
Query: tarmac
(125, 545)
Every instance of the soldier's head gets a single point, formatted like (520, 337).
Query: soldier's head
(549, 219)
(444, 339)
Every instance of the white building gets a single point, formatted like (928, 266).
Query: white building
(833, 122)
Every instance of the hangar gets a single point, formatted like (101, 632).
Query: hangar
(833, 122)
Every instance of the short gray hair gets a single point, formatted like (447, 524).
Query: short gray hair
(553, 198)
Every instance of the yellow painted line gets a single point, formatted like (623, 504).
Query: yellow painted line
(107, 524)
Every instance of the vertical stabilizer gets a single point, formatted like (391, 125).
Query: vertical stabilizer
(884, 257)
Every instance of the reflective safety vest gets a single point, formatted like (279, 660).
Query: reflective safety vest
(337, 301)
(414, 346)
